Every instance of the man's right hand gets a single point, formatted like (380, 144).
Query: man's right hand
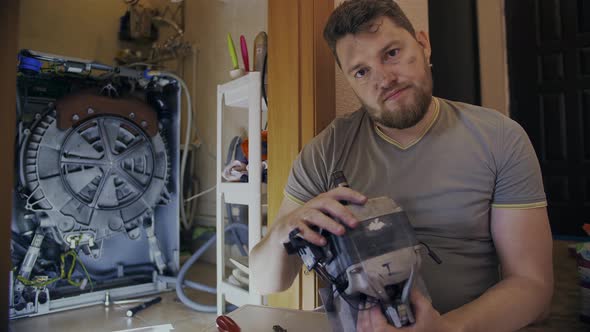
(272, 269)
(321, 211)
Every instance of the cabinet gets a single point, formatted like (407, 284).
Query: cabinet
(244, 94)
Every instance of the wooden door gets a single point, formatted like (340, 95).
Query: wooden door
(455, 56)
(549, 72)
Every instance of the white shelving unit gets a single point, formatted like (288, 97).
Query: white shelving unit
(243, 93)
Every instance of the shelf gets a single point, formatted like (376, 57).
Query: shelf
(241, 192)
(245, 94)
(235, 294)
(236, 93)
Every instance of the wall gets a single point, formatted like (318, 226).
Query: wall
(346, 100)
(207, 23)
(492, 55)
(88, 29)
(84, 29)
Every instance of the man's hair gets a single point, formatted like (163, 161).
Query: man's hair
(354, 16)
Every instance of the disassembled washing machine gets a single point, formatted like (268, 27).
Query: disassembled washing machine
(95, 212)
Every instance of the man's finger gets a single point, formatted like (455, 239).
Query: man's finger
(377, 317)
(330, 203)
(362, 319)
(317, 218)
(421, 306)
(418, 299)
(310, 235)
(347, 194)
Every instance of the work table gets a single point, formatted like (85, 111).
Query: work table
(565, 306)
(564, 315)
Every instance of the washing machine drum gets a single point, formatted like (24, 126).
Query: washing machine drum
(94, 166)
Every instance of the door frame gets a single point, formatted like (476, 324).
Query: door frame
(493, 61)
(9, 11)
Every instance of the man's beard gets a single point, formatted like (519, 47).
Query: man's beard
(405, 116)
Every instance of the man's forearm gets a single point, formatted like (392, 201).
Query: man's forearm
(272, 270)
(508, 306)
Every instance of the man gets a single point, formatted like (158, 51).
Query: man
(467, 177)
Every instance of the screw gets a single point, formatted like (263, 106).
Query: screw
(144, 123)
(90, 110)
(37, 116)
(356, 270)
(132, 115)
(75, 117)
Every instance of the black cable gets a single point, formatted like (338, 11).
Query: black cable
(347, 300)
(431, 253)
(264, 87)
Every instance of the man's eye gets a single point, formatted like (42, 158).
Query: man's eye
(393, 53)
(360, 73)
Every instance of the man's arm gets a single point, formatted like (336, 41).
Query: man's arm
(524, 246)
(272, 269)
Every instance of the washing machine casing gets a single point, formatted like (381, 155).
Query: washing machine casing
(96, 187)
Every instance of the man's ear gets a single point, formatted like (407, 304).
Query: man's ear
(422, 38)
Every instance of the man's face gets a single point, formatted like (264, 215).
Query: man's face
(389, 71)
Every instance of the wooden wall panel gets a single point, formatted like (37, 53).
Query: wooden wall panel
(307, 111)
(301, 103)
(283, 113)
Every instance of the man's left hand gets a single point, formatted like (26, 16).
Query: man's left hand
(427, 318)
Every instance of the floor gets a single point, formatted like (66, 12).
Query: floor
(112, 318)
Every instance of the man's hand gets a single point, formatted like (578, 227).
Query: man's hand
(427, 318)
(272, 270)
(321, 212)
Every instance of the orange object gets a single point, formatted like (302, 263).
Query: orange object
(264, 141)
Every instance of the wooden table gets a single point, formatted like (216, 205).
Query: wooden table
(565, 307)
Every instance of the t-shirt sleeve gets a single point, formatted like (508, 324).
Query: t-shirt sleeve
(519, 183)
(308, 176)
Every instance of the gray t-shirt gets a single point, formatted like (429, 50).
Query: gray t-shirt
(468, 160)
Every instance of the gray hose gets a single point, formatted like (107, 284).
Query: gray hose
(184, 269)
(190, 284)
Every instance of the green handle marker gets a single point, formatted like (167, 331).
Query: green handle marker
(232, 52)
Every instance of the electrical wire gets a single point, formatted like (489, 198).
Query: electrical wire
(63, 275)
(200, 194)
(180, 279)
(186, 222)
(367, 299)
(193, 207)
(187, 134)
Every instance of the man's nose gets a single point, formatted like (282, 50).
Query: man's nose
(386, 77)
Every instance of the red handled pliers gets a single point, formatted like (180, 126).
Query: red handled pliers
(226, 324)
